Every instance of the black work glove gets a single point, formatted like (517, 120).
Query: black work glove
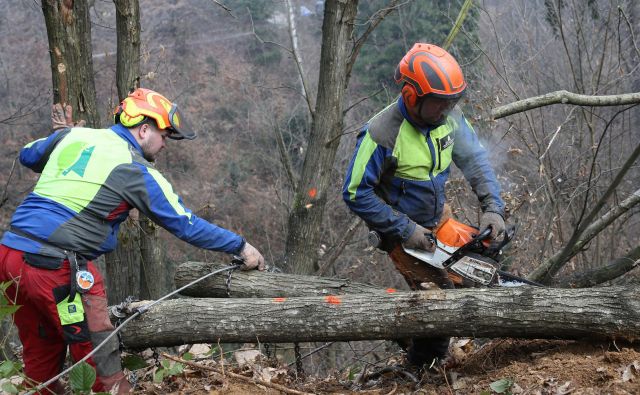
(420, 239)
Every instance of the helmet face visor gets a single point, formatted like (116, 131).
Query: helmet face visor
(180, 130)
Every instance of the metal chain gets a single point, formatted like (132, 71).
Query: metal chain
(296, 350)
(133, 379)
(228, 283)
(156, 356)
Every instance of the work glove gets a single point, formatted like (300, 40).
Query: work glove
(62, 117)
(495, 221)
(251, 257)
(420, 239)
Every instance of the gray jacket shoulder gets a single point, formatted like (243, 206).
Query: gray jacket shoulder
(385, 126)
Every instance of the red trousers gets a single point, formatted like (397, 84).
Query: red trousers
(38, 292)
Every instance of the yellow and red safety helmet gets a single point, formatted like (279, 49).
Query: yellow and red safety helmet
(431, 71)
(142, 104)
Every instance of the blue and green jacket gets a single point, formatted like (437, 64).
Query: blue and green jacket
(397, 175)
(90, 180)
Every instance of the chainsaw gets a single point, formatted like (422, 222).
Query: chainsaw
(466, 252)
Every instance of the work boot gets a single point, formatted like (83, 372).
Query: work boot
(427, 351)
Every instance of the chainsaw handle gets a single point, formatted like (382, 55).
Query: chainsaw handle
(484, 234)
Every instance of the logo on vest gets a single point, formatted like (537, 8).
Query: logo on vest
(78, 151)
(445, 142)
(71, 308)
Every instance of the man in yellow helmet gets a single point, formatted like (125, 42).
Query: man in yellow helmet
(396, 179)
(90, 179)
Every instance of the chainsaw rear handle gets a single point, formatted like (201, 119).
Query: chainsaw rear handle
(484, 234)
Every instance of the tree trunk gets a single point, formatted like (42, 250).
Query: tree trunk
(69, 33)
(123, 264)
(122, 274)
(254, 284)
(154, 269)
(305, 219)
(128, 51)
(523, 312)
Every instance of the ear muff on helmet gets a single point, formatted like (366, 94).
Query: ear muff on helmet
(142, 104)
(409, 95)
(430, 71)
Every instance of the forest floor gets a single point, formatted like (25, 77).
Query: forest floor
(504, 366)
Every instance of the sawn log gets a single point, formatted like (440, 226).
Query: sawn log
(523, 312)
(250, 284)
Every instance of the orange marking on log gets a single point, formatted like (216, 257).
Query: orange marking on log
(332, 299)
(312, 193)
(391, 290)
(279, 300)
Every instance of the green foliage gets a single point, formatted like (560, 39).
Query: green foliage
(418, 21)
(9, 388)
(82, 377)
(10, 368)
(187, 356)
(134, 362)
(502, 386)
(167, 369)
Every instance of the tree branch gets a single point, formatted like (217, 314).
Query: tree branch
(374, 21)
(564, 97)
(284, 158)
(335, 253)
(613, 270)
(297, 58)
(552, 265)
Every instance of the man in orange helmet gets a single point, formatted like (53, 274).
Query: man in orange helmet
(396, 179)
(90, 179)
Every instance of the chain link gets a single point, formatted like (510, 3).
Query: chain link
(156, 356)
(228, 283)
(133, 379)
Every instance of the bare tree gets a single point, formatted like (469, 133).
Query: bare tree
(336, 61)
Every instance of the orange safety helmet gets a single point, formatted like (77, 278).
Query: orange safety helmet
(142, 104)
(430, 70)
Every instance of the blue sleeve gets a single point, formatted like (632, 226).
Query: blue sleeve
(363, 176)
(471, 157)
(36, 154)
(157, 200)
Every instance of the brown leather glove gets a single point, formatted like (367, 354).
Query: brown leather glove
(252, 258)
(62, 117)
(420, 239)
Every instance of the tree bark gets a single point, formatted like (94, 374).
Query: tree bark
(523, 312)
(122, 265)
(305, 219)
(69, 33)
(254, 284)
(153, 270)
(128, 51)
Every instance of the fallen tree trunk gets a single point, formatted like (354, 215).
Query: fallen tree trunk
(262, 285)
(523, 312)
